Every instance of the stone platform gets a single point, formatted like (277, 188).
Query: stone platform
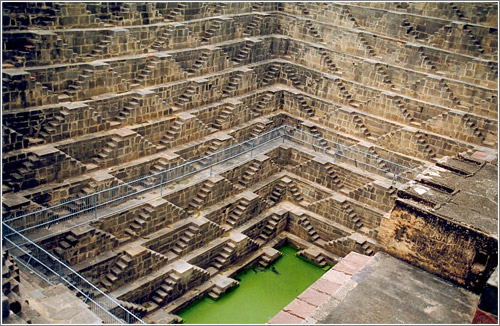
(380, 289)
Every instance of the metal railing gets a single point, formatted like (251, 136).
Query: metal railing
(370, 162)
(52, 270)
(96, 205)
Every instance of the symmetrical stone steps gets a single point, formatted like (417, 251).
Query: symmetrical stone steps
(249, 173)
(311, 232)
(295, 192)
(128, 112)
(313, 130)
(271, 75)
(147, 73)
(313, 31)
(358, 123)
(177, 13)
(179, 247)
(423, 145)
(116, 270)
(233, 84)
(161, 43)
(263, 104)
(101, 50)
(199, 63)
(187, 96)
(254, 26)
(337, 182)
(166, 289)
(173, 132)
(304, 106)
(235, 215)
(269, 229)
(354, 218)
(135, 228)
(201, 197)
(276, 194)
(223, 258)
(244, 53)
(213, 29)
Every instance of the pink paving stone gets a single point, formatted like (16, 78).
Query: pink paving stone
(336, 277)
(299, 308)
(284, 317)
(356, 259)
(351, 263)
(313, 297)
(325, 286)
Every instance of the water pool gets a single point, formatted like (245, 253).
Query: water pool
(260, 295)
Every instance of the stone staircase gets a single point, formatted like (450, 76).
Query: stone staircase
(243, 54)
(271, 75)
(253, 26)
(426, 61)
(101, 50)
(276, 194)
(269, 229)
(211, 31)
(166, 289)
(313, 31)
(313, 130)
(423, 146)
(116, 270)
(187, 236)
(233, 84)
(256, 6)
(108, 150)
(404, 111)
(215, 145)
(368, 48)
(292, 76)
(306, 225)
(263, 104)
(337, 182)
(177, 13)
(409, 29)
(147, 73)
(74, 90)
(249, 173)
(134, 229)
(172, 133)
(68, 242)
(128, 111)
(222, 259)
(187, 96)
(302, 8)
(237, 212)
(473, 128)
(199, 63)
(137, 309)
(344, 94)
(269, 256)
(332, 67)
(358, 123)
(295, 192)
(162, 42)
(219, 8)
(346, 15)
(382, 71)
(353, 217)
(381, 163)
(304, 106)
(201, 197)
(259, 128)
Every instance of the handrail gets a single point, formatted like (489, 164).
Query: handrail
(73, 272)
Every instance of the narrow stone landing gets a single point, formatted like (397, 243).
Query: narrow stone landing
(379, 289)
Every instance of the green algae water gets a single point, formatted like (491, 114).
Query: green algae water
(260, 295)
